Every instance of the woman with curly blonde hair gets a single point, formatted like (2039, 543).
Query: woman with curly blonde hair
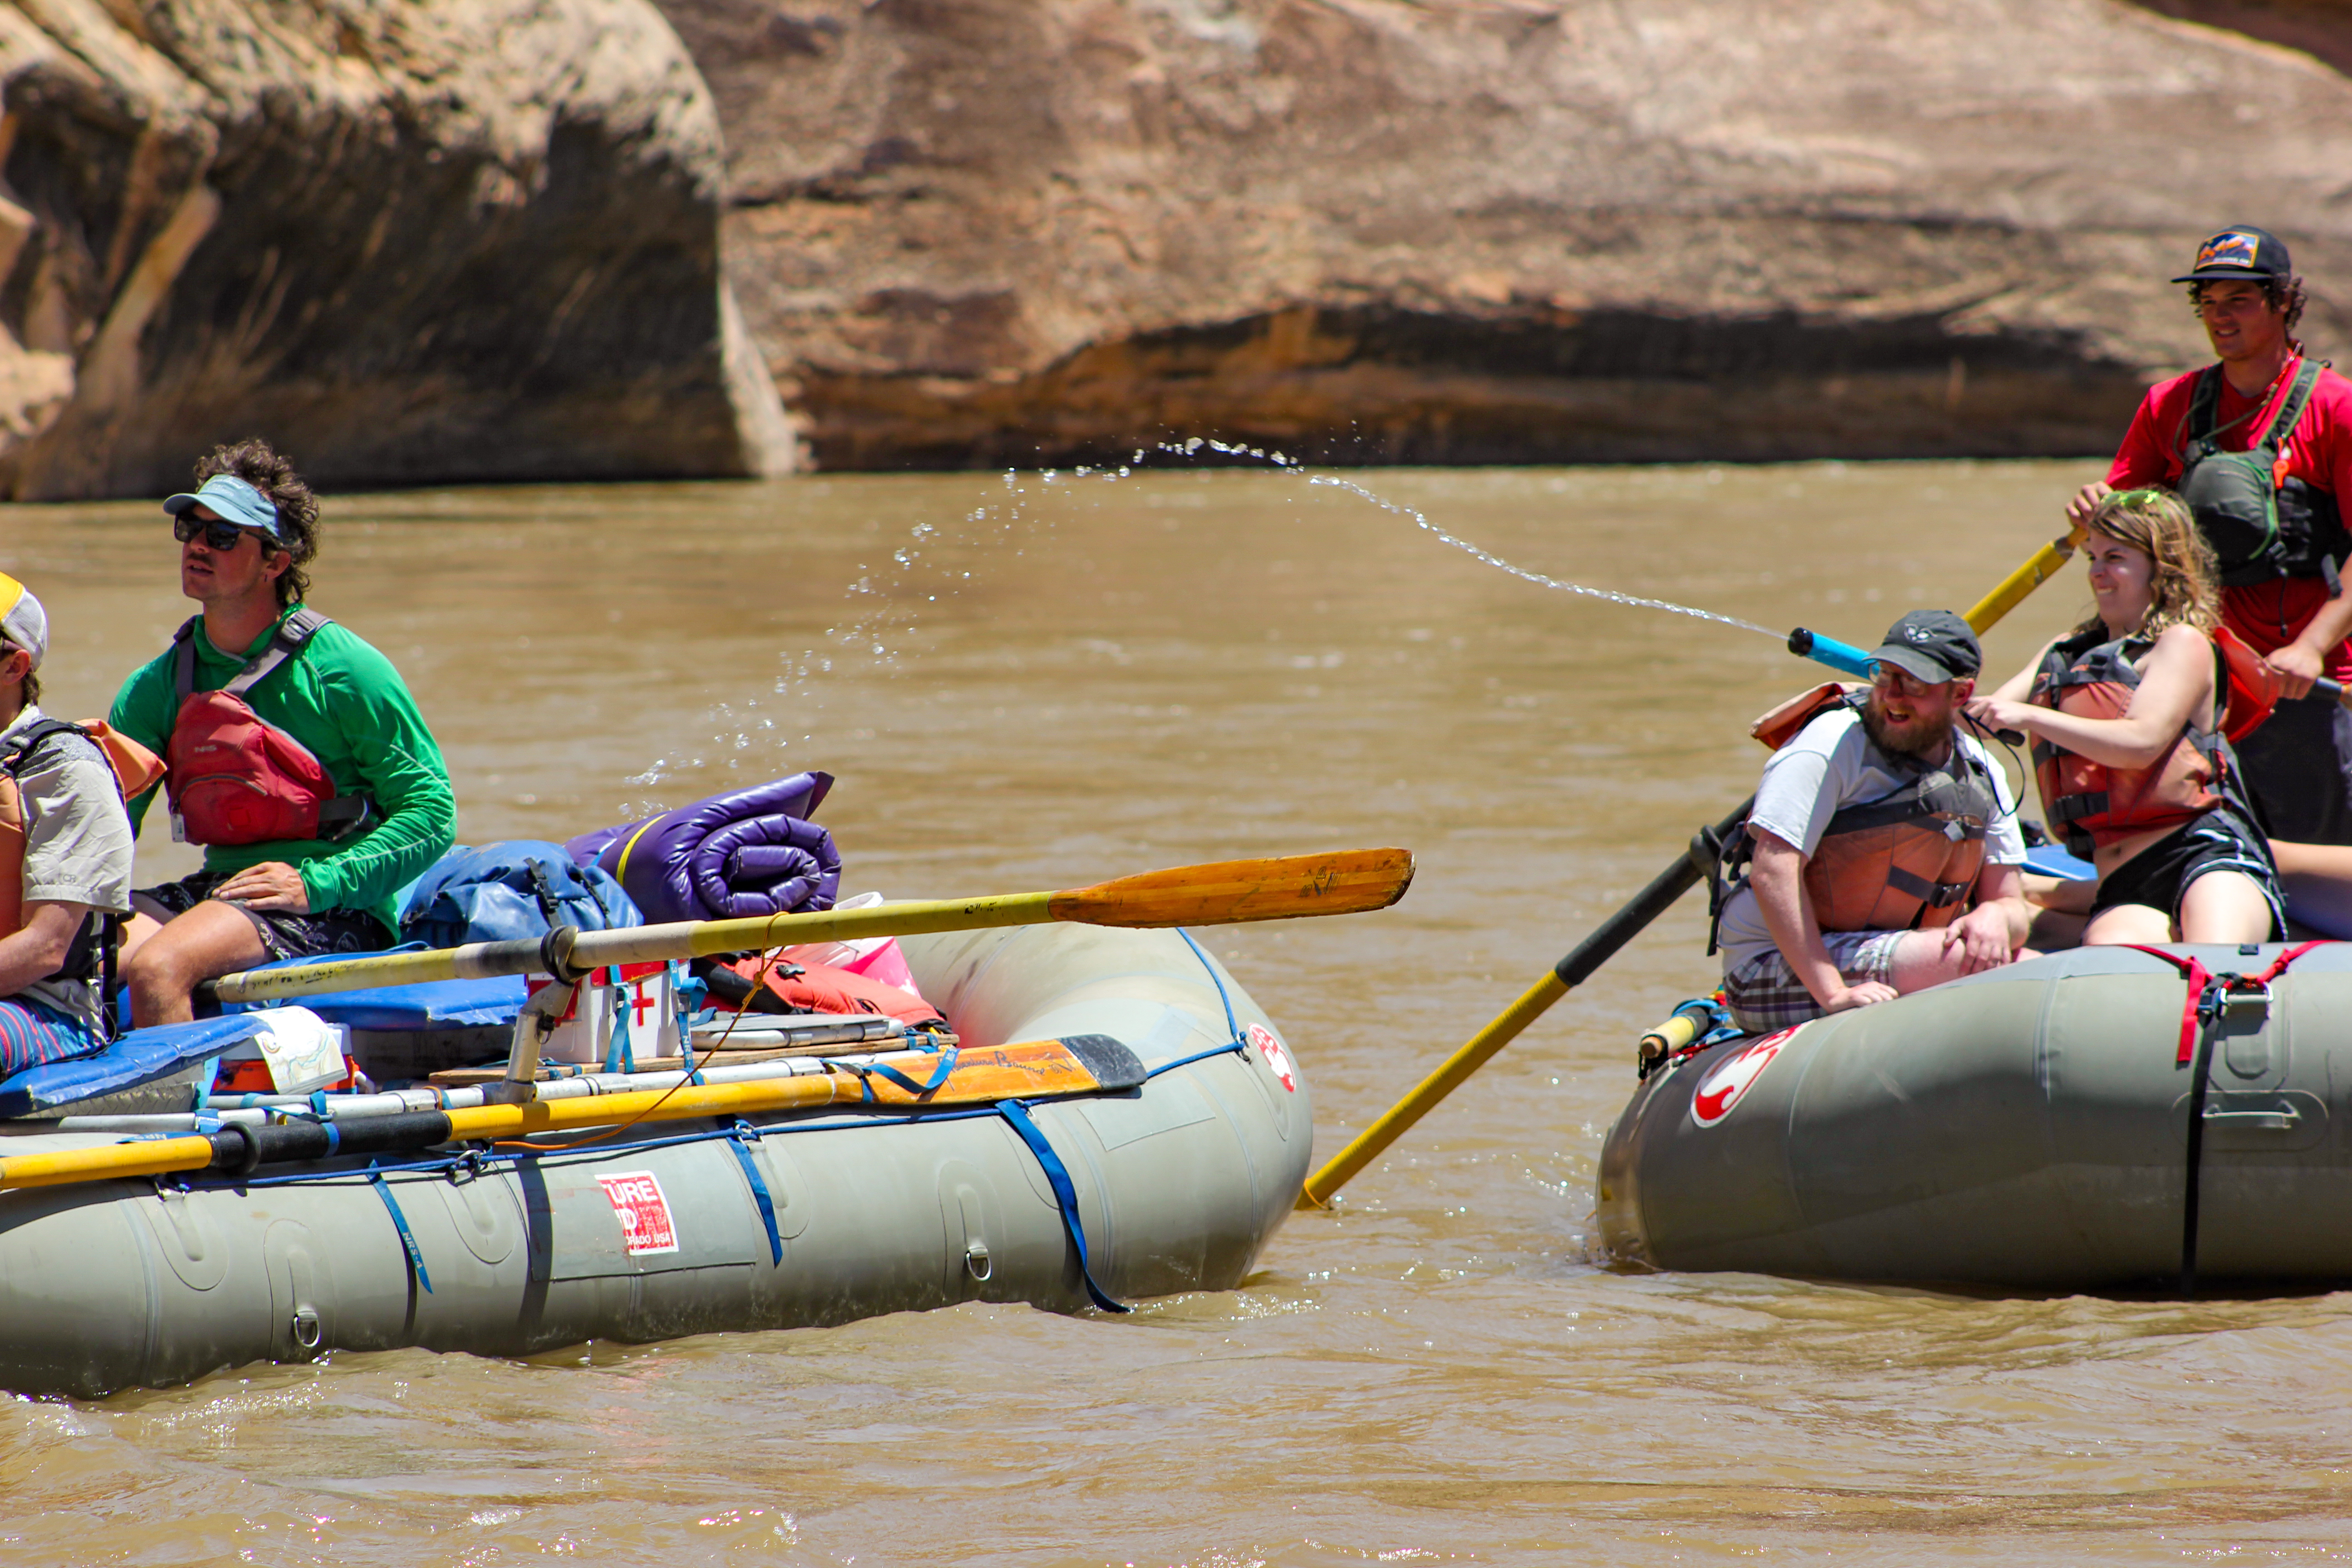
(2125, 716)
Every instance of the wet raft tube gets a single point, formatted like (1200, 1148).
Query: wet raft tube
(2024, 1129)
(1178, 1185)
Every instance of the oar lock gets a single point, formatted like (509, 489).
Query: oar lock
(555, 954)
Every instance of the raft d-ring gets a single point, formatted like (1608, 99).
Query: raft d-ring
(308, 1332)
(976, 1261)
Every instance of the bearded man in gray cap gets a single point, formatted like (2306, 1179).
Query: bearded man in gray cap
(1882, 855)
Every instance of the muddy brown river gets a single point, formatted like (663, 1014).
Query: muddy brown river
(1029, 683)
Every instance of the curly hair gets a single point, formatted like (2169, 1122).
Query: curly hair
(2158, 524)
(258, 464)
(2285, 295)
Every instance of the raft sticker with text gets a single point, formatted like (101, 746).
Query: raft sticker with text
(1722, 1089)
(645, 1225)
(1275, 1056)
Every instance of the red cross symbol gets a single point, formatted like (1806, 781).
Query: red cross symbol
(641, 1001)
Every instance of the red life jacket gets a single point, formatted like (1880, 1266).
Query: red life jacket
(235, 778)
(2091, 677)
(815, 988)
(1905, 861)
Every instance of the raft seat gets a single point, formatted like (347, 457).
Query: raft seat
(414, 1031)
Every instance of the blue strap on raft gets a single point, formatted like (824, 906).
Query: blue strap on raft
(1057, 1176)
(740, 1137)
(400, 1223)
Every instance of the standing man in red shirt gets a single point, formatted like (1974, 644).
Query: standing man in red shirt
(2259, 445)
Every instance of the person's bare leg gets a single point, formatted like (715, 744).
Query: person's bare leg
(212, 938)
(1922, 960)
(147, 918)
(2138, 925)
(2224, 906)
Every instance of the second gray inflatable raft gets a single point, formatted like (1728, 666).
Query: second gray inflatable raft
(2028, 1128)
(1178, 1185)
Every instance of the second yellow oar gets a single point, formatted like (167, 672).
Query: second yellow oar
(1613, 933)
(1032, 1070)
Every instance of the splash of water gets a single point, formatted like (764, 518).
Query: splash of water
(1192, 447)
(1528, 574)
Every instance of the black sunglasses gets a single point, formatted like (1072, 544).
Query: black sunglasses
(218, 535)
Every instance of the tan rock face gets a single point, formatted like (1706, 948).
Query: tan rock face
(977, 231)
(406, 240)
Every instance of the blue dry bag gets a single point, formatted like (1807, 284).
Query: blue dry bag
(517, 889)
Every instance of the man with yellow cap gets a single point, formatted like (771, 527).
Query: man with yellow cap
(65, 859)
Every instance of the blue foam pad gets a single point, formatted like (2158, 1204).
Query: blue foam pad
(434, 1005)
(137, 1057)
(2052, 861)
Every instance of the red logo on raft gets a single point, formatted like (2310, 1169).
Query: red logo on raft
(638, 1198)
(1278, 1059)
(1721, 1090)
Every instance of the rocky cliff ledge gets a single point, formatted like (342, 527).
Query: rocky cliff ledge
(981, 231)
(413, 241)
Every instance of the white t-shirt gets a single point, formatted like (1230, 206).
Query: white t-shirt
(1829, 765)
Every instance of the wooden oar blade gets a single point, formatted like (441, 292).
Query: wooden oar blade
(1228, 892)
(1080, 1064)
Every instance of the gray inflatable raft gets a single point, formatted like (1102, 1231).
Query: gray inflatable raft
(2026, 1129)
(1178, 1186)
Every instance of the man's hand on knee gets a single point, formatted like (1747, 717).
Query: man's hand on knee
(1979, 941)
(1846, 998)
(272, 885)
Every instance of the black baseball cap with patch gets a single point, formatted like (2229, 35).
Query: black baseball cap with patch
(1933, 646)
(2240, 255)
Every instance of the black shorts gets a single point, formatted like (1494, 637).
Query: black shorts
(2160, 874)
(2298, 767)
(284, 933)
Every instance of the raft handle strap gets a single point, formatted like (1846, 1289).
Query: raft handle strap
(2210, 998)
(1057, 1176)
(400, 1223)
(739, 1138)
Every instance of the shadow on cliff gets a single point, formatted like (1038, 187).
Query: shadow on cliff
(1383, 384)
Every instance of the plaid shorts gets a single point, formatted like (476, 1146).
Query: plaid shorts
(284, 934)
(1764, 994)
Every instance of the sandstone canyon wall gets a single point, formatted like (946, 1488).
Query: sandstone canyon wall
(408, 240)
(987, 231)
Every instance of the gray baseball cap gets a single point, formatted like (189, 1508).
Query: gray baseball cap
(1933, 646)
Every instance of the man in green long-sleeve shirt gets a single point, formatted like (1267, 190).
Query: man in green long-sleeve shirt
(371, 799)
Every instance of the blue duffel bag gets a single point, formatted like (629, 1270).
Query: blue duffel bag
(520, 888)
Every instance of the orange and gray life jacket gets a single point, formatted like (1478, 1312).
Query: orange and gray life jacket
(235, 777)
(1905, 861)
(2092, 676)
(135, 769)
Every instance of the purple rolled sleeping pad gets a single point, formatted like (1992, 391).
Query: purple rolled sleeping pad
(731, 857)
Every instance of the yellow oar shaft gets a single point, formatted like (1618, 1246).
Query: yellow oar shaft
(159, 1157)
(2045, 564)
(1368, 1145)
(650, 1105)
(1348, 881)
